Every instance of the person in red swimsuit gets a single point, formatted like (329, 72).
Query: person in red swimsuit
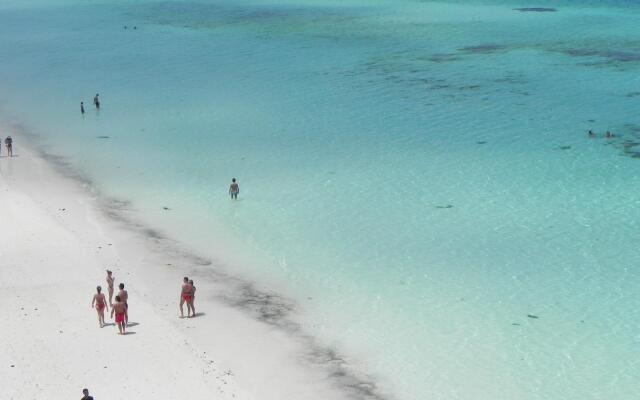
(100, 303)
(185, 296)
(121, 312)
(124, 295)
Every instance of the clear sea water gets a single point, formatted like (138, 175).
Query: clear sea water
(416, 174)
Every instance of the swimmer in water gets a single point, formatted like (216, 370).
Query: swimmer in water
(96, 101)
(110, 286)
(100, 304)
(124, 297)
(608, 134)
(120, 309)
(82, 108)
(185, 297)
(591, 134)
(234, 189)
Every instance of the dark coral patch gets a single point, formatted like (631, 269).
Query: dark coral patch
(536, 9)
(483, 49)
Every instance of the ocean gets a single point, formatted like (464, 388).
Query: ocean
(416, 175)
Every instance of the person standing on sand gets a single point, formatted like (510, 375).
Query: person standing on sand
(110, 287)
(192, 304)
(96, 101)
(120, 309)
(9, 143)
(185, 296)
(82, 108)
(86, 396)
(100, 304)
(124, 296)
(234, 189)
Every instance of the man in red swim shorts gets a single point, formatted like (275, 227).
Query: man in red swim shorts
(121, 312)
(185, 296)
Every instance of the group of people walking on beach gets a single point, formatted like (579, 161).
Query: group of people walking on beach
(8, 142)
(120, 308)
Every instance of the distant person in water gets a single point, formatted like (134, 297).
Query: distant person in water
(100, 303)
(234, 189)
(82, 107)
(608, 134)
(86, 396)
(192, 304)
(120, 309)
(9, 143)
(185, 297)
(110, 286)
(124, 297)
(591, 134)
(96, 101)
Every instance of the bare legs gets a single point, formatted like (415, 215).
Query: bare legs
(100, 316)
(111, 296)
(191, 307)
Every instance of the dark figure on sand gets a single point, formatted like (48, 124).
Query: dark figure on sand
(9, 143)
(82, 107)
(100, 304)
(86, 396)
(124, 297)
(96, 101)
(234, 189)
(185, 297)
(120, 309)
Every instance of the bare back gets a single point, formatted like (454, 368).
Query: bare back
(124, 296)
(119, 307)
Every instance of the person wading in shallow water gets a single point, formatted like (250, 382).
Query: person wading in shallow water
(234, 189)
(9, 143)
(100, 303)
(96, 101)
(82, 107)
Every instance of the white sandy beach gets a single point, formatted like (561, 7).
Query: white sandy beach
(55, 244)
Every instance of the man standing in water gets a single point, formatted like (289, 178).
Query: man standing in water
(9, 143)
(123, 296)
(120, 309)
(234, 189)
(82, 107)
(185, 296)
(96, 101)
(110, 286)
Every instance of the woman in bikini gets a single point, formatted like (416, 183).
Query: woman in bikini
(100, 303)
(110, 286)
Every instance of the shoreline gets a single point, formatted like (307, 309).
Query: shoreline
(250, 335)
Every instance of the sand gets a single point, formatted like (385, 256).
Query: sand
(57, 238)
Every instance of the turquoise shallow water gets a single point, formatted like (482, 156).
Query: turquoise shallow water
(416, 174)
